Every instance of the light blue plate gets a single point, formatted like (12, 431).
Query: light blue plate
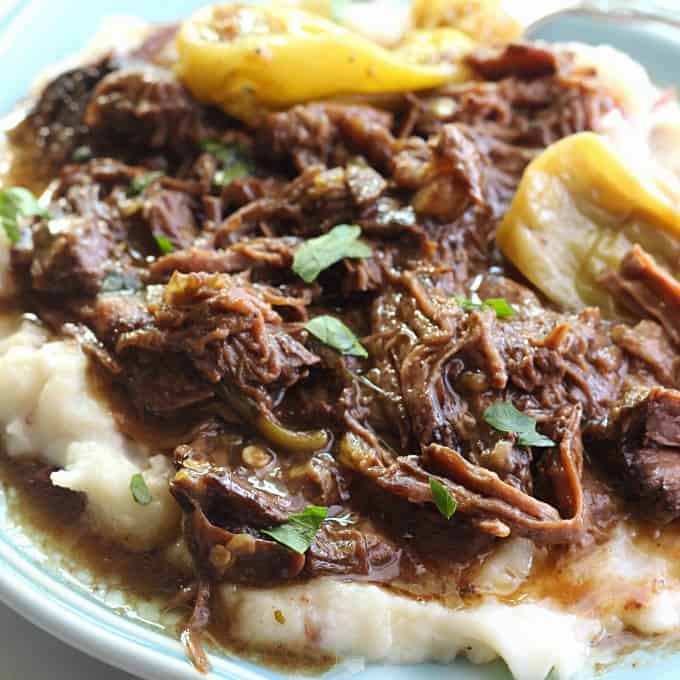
(36, 34)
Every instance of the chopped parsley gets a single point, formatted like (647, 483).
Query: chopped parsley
(234, 157)
(317, 254)
(504, 417)
(299, 531)
(140, 183)
(15, 203)
(164, 244)
(139, 489)
(335, 334)
(81, 154)
(501, 306)
(445, 502)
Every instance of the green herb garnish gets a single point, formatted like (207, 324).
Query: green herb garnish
(445, 502)
(81, 154)
(335, 334)
(299, 531)
(236, 170)
(164, 244)
(139, 489)
(140, 183)
(503, 416)
(235, 158)
(317, 254)
(17, 202)
(501, 306)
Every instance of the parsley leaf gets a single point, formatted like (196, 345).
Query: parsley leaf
(81, 154)
(139, 489)
(504, 417)
(501, 306)
(11, 229)
(445, 502)
(16, 202)
(317, 254)
(140, 183)
(335, 334)
(164, 244)
(235, 158)
(299, 531)
(236, 170)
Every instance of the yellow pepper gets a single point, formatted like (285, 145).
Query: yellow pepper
(244, 58)
(578, 210)
(484, 21)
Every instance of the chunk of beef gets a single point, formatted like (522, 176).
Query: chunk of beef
(170, 215)
(162, 384)
(226, 329)
(326, 134)
(143, 106)
(69, 255)
(112, 314)
(452, 178)
(316, 201)
(645, 289)
(648, 453)
(648, 343)
(237, 557)
(520, 60)
(230, 493)
(351, 551)
(55, 126)
(531, 112)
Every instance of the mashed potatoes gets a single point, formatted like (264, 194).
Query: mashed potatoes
(51, 415)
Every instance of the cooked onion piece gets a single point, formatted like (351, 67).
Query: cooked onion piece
(244, 58)
(578, 210)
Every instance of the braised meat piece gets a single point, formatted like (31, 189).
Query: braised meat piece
(55, 126)
(170, 215)
(69, 255)
(146, 106)
(520, 60)
(651, 350)
(327, 134)
(648, 452)
(645, 289)
(226, 328)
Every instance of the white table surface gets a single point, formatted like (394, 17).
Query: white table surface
(26, 653)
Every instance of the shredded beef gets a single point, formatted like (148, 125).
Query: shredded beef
(645, 289)
(181, 286)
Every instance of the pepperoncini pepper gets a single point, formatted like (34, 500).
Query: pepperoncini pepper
(578, 210)
(249, 58)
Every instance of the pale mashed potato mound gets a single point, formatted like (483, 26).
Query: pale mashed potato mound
(52, 415)
(48, 411)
